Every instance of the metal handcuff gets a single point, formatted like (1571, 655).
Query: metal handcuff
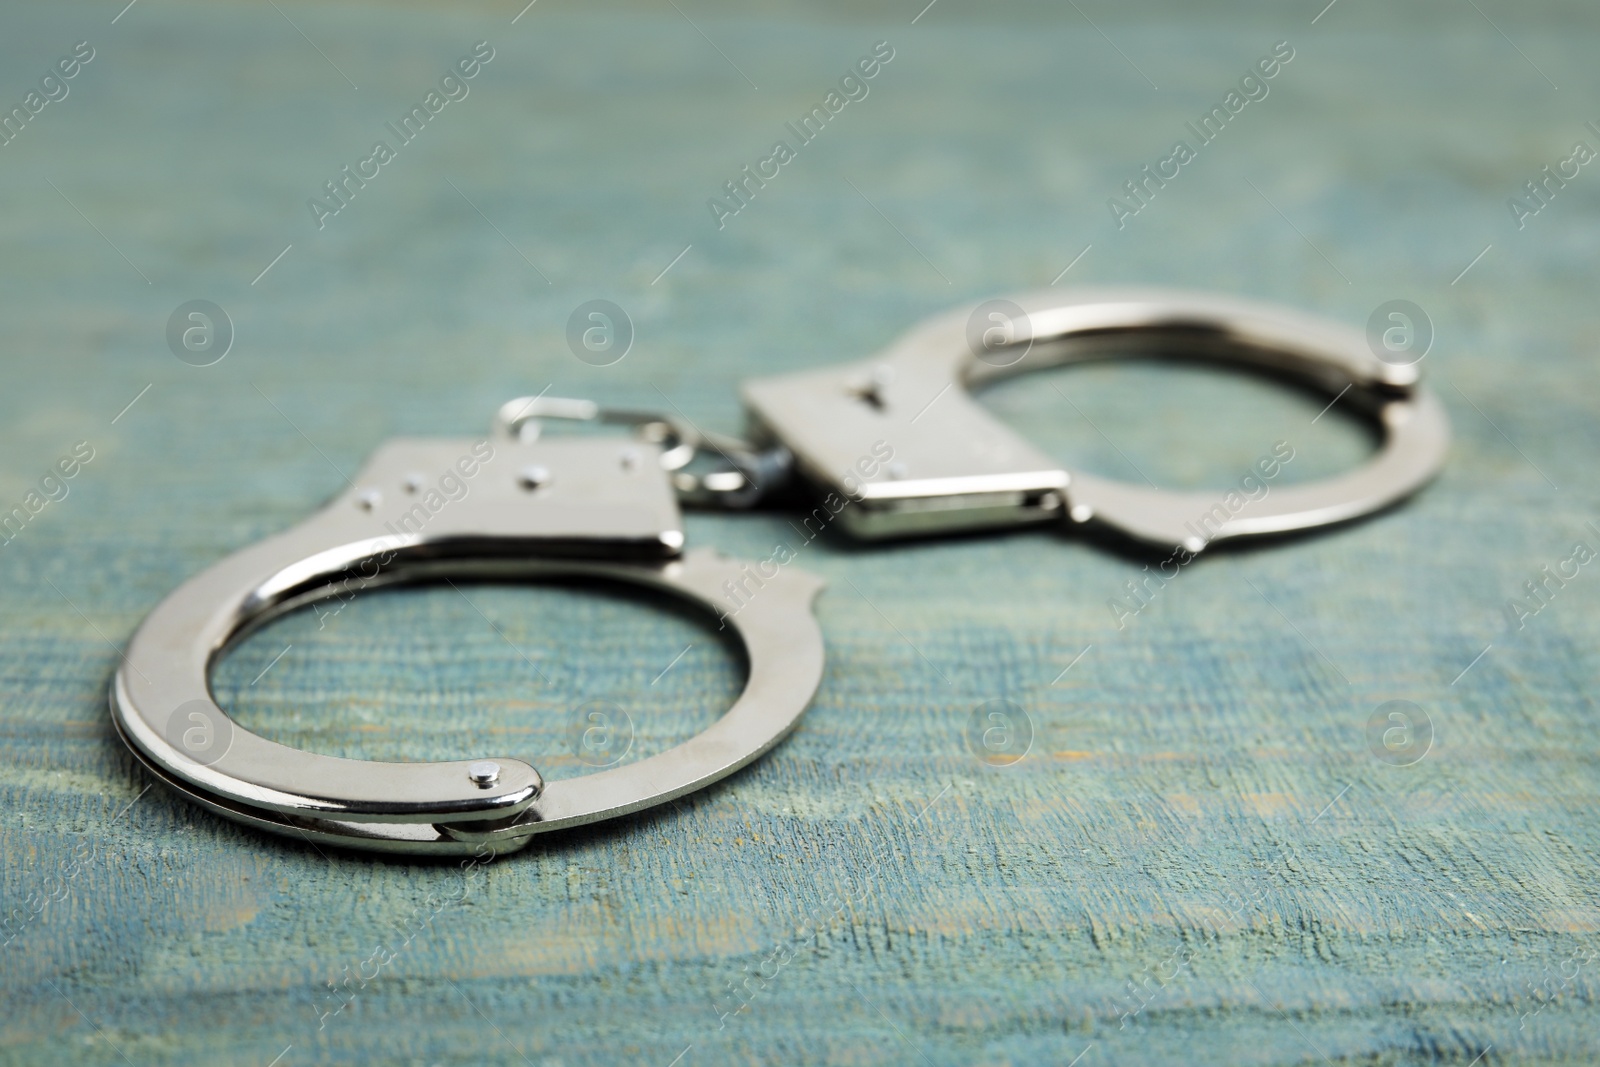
(607, 507)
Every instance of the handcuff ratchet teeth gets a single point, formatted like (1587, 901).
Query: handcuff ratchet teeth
(607, 507)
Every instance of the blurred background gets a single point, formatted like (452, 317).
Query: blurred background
(1203, 856)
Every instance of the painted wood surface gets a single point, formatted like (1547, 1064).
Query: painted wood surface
(1206, 856)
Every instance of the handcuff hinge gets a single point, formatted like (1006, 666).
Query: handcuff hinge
(707, 470)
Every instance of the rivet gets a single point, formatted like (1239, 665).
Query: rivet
(484, 772)
(369, 499)
(533, 476)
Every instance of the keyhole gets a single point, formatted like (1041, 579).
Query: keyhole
(869, 388)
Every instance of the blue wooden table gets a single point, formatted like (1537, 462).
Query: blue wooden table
(1208, 855)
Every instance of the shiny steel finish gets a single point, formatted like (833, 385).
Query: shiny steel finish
(733, 473)
(897, 434)
(427, 509)
(956, 467)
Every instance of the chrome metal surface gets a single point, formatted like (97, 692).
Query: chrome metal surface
(898, 436)
(956, 467)
(732, 473)
(428, 509)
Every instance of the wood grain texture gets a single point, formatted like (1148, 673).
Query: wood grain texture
(1200, 860)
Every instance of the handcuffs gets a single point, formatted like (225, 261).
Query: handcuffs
(607, 507)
